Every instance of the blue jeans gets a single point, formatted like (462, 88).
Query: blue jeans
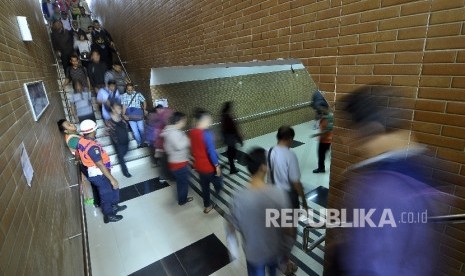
(137, 128)
(182, 183)
(108, 195)
(205, 180)
(259, 270)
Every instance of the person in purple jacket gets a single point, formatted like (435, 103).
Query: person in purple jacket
(389, 187)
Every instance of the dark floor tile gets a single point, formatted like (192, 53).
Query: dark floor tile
(204, 256)
(172, 266)
(296, 144)
(155, 269)
(128, 193)
(168, 266)
(318, 195)
(151, 185)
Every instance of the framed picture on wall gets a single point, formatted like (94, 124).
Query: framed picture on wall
(37, 96)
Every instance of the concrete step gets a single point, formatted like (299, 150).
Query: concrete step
(111, 150)
(131, 164)
(133, 158)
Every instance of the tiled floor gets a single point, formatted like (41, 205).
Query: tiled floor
(155, 230)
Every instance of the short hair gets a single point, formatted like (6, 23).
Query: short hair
(76, 82)
(111, 82)
(129, 84)
(96, 21)
(117, 64)
(74, 56)
(367, 105)
(255, 159)
(95, 51)
(200, 113)
(114, 102)
(61, 128)
(285, 133)
(176, 117)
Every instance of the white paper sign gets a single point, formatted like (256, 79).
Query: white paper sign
(163, 102)
(26, 165)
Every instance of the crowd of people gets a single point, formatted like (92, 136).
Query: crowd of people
(86, 52)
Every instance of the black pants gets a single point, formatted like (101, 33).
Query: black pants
(322, 150)
(121, 150)
(231, 153)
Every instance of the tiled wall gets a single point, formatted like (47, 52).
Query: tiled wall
(251, 94)
(417, 46)
(34, 222)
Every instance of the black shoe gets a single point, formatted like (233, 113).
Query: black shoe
(118, 208)
(140, 146)
(112, 218)
(189, 199)
(233, 171)
(127, 174)
(319, 171)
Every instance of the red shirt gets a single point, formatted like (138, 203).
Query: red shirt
(199, 150)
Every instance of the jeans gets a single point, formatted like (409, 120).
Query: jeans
(205, 180)
(259, 270)
(322, 149)
(182, 183)
(137, 128)
(108, 195)
(121, 150)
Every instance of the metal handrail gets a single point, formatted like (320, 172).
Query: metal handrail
(122, 63)
(459, 218)
(85, 240)
(268, 113)
(85, 237)
(453, 219)
(60, 79)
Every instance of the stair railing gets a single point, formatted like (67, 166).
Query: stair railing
(307, 246)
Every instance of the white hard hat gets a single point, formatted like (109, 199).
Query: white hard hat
(87, 126)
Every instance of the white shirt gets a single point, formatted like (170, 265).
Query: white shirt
(285, 167)
(66, 24)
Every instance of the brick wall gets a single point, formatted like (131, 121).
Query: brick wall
(34, 222)
(414, 46)
(251, 94)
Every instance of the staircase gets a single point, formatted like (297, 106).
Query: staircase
(134, 156)
(309, 263)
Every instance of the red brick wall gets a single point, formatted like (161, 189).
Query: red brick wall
(415, 46)
(34, 222)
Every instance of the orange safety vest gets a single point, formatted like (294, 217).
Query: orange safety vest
(67, 138)
(83, 148)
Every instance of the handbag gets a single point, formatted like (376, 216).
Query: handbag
(85, 55)
(134, 113)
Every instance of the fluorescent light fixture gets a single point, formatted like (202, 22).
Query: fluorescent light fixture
(24, 28)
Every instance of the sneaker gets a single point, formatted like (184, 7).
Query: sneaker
(128, 175)
(118, 208)
(319, 171)
(112, 218)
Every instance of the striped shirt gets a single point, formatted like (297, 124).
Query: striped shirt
(137, 102)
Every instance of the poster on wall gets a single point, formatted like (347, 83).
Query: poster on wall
(163, 102)
(28, 171)
(37, 96)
